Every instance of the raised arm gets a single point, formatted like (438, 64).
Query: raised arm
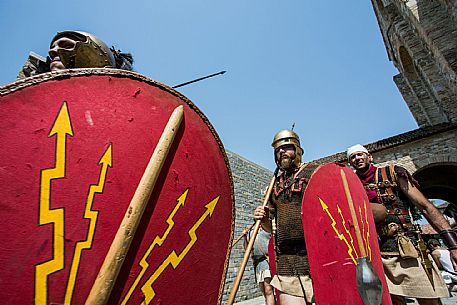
(432, 214)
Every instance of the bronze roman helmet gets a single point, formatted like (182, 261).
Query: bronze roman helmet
(286, 137)
(89, 51)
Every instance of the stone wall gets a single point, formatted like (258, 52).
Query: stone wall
(430, 154)
(421, 153)
(250, 181)
(413, 150)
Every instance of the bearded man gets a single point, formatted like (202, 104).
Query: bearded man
(408, 268)
(282, 217)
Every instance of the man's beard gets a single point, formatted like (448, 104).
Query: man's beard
(285, 162)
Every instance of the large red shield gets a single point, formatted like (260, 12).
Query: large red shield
(75, 145)
(331, 240)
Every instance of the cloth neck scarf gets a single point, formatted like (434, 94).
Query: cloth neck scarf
(367, 178)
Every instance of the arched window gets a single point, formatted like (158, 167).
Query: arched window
(407, 63)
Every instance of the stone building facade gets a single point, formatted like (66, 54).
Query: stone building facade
(421, 41)
(429, 153)
(420, 37)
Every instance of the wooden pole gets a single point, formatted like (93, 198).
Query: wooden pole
(242, 234)
(237, 281)
(112, 264)
(368, 283)
(363, 253)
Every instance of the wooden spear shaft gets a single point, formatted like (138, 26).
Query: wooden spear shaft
(242, 234)
(363, 253)
(112, 264)
(237, 281)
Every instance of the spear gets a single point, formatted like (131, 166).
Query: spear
(368, 282)
(243, 234)
(117, 252)
(198, 79)
(247, 252)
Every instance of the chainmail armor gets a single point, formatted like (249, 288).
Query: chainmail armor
(291, 255)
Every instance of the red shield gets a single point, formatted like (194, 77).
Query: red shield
(331, 239)
(272, 264)
(74, 147)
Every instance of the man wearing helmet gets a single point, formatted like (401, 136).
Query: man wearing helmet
(76, 49)
(282, 217)
(394, 188)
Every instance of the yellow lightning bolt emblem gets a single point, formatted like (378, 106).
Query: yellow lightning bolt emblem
(157, 241)
(368, 230)
(364, 236)
(343, 221)
(91, 215)
(174, 259)
(61, 128)
(340, 236)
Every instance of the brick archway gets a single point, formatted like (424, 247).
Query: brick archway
(438, 178)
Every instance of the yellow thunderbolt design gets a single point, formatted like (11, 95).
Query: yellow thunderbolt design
(343, 220)
(368, 230)
(91, 215)
(174, 259)
(364, 236)
(157, 241)
(340, 236)
(61, 128)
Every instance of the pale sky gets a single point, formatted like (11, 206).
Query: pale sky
(320, 64)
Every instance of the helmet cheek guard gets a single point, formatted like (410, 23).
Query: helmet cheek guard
(288, 137)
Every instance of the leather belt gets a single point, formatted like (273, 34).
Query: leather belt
(397, 211)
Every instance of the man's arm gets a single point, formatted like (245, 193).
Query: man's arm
(431, 213)
(436, 257)
(379, 213)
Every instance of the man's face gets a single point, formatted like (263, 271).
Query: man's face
(360, 161)
(61, 43)
(285, 155)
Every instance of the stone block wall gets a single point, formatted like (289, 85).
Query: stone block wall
(250, 181)
(429, 154)
(437, 149)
